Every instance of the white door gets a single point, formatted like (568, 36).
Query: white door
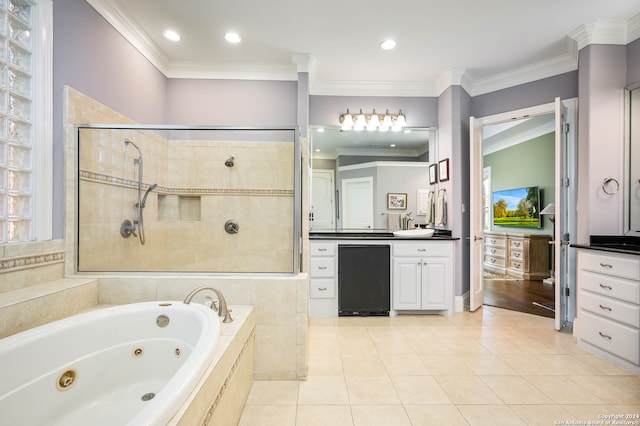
(357, 203)
(476, 213)
(561, 234)
(322, 200)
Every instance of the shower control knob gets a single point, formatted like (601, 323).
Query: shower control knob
(231, 226)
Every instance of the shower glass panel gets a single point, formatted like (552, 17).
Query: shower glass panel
(167, 199)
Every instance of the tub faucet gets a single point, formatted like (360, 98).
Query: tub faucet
(223, 311)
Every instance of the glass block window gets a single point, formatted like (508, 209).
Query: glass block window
(16, 120)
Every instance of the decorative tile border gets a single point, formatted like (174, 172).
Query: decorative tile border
(13, 264)
(128, 183)
(229, 377)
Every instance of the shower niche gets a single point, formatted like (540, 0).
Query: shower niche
(178, 189)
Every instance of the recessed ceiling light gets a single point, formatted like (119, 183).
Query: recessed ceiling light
(233, 37)
(171, 35)
(388, 44)
(393, 145)
(321, 130)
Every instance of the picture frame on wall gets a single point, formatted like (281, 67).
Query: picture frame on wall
(433, 173)
(443, 170)
(396, 201)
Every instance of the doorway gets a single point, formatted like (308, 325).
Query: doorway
(518, 183)
(564, 213)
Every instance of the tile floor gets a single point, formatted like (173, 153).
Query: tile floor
(492, 367)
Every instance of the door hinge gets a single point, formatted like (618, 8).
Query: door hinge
(566, 292)
(566, 128)
(566, 182)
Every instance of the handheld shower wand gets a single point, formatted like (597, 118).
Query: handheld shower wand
(127, 228)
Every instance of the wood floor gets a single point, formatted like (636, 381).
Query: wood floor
(519, 295)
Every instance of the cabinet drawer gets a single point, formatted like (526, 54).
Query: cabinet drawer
(495, 241)
(322, 267)
(517, 265)
(609, 264)
(323, 288)
(516, 244)
(610, 308)
(495, 251)
(322, 249)
(434, 249)
(517, 255)
(495, 261)
(618, 339)
(609, 286)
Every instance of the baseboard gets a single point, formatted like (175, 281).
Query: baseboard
(461, 302)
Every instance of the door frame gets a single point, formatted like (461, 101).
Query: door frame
(561, 241)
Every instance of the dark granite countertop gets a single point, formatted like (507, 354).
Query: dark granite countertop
(377, 234)
(612, 243)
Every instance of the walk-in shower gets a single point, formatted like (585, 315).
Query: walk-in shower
(210, 211)
(136, 228)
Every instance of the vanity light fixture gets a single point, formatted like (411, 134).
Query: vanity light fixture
(233, 38)
(171, 35)
(373, 121)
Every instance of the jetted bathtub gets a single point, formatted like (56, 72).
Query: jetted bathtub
(131, 364)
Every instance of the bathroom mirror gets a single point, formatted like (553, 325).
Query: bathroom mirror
(632, 175)
(390, 162)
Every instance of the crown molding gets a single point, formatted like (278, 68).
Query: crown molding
(508, 139)
(372, 88)
(601, 32)
(241, 71)
(129, 29)
(633, 28)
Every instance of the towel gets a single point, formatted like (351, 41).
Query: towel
(441, 208)
(431, 208)
(394, 221)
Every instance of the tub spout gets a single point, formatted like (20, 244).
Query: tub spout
(223, 311)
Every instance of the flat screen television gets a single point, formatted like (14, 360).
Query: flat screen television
(517, 207)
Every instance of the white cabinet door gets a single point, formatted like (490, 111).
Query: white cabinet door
(407, 282)
(435, 276)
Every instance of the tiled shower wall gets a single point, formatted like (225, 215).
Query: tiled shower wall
(185, 215)
(280, 301)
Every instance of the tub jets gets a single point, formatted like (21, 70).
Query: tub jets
(229, 162)
(136, 228)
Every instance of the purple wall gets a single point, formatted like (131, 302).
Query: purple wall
(232, 102)
(326, 110)
(90, 56)
(526, 95)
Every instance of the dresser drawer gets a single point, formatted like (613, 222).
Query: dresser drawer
(617, 339)
(516, 244)
(609, 286)
(433, 249)
(322, 288)
(610, 308)
(495, 251)
(495, 261)
(322, 249)
(495, 241)
(517, 255)
(322, 267)
(517, 265)
(609, 264)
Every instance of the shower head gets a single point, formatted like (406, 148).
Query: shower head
(229, 162)
(146, 194)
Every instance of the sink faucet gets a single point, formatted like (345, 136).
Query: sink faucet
(223, 311)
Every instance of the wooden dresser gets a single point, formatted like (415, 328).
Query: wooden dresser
(525, 256)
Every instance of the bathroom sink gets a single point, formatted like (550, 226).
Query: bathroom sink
(413, 233)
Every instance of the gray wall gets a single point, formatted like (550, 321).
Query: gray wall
(90, 56)
(419, 111)
(633, 62)
(232, 102)
(538, 92)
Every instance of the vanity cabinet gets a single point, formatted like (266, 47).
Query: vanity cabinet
(608, 303)
(423, 277)
(323, 298)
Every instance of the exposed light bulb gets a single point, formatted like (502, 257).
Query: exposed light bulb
(361, 121)
(374, 122)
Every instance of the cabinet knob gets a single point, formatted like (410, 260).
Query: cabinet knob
(322, 267)
(322, 288)
(422, 249)
(606, 265)
(606, 287)
(322, 249)
(605, 308)
(493, 251)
